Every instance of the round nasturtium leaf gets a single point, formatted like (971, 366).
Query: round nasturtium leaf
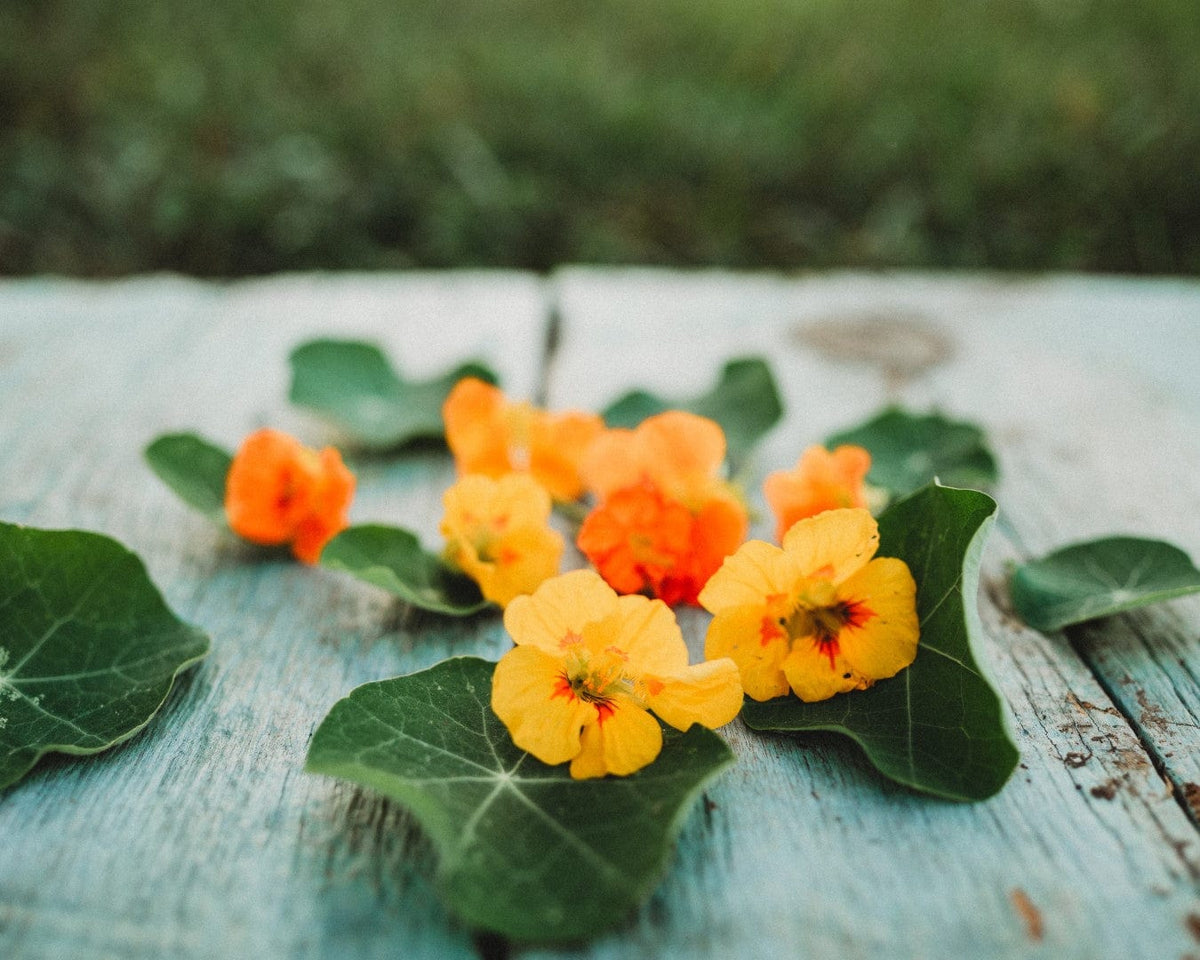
(88, 649)
(524, 850)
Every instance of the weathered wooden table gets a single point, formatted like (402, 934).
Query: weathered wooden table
(202, 837)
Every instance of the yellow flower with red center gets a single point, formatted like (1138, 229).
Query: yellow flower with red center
(498, 533)
(279, 491)
(818, 616)
(665, 518)
(492, 435)
(587, 667)
(820, 481)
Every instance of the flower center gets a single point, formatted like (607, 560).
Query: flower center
(599, 680)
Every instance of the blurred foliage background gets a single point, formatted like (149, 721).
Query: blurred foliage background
(234, 137)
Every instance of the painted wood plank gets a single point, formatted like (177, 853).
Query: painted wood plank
(202, 837)
(806, 852)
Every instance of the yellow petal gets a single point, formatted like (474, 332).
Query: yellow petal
(745, 636)
(560, 608)
(886, 642)
(834, 544)
(626, 740)
(649, 635)
(756, 572)
(527, 696)
(708, 693)
(525, 559)
(811, 674)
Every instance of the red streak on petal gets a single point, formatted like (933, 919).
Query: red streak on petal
(562, 688)
(604, 710)
(857, 613)
(769, 630)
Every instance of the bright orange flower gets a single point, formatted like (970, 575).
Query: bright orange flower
(639, 539)
(818, 616)
(665, 519)
(819, 481)
(278, 491)
(498, 533)
(587, 667)
(492, 435)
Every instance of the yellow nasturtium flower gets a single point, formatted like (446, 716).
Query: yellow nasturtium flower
(498, 533)
(818, 616)
(589, 665)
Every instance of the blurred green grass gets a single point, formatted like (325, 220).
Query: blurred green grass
(232, 138)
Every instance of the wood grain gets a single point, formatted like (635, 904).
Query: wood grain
(201, 837)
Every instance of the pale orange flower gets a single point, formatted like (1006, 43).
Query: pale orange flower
(498, 533)
(492, 435)
(278, 491)
(819, 481)
(819, 616)
(665, 518)
(589, 665)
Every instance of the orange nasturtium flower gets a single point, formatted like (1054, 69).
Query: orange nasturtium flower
(498, 533)
(279, 491)
(587, 667)
(492, 435)
(665, 518)
(818, 616)
(820, 481)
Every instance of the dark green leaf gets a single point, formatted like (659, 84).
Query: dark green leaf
(524, 850)
(355, 386)
(88, 649)
(392, 558)
(937, 726)
(745, 402)
(910, 450)
(194, 469)
(1100, 578)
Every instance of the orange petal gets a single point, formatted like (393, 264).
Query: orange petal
(820, 481)
(682, 448)
(474, 417)
(542, 717)
(269, 487)
(557, 445)
(886, 640)
(708, 693)
(621, 742)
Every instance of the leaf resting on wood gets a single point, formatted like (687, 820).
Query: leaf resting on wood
(194, 468)
(745, 402)
(910, 450)
(88, 649)
(937, 726)
(525, 851)
(392, 558)
(1099, 578)
(353, 385)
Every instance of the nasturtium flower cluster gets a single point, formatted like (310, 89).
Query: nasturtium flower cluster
(278, 492)
(588, 669)
(598, 653)
(818, 616)
(492, 435)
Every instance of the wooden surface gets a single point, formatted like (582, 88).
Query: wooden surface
(202, 837)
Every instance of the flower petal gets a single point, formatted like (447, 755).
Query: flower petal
(709, 694)
(475, 429)
(886, 640)
(621, 742)
(820, 481)
(748, 636)
(557, 445)
(542, 717)
(813, 675)
(757, 571)
(834, 544)
(649, 635)
(558, 609)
